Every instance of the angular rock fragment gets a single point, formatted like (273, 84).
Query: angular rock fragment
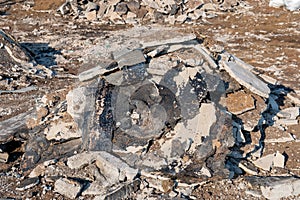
(62, 131)
(279, 160)
(91, 16)
(67, 187)
(105, 66)
(166, 37)
(11, 47)
(265, 162)
(110, 166)
(129, 58)
(289, 113)
(276, 187)
(269, 161)
(4, 157)
(13, 125)
(245, 77)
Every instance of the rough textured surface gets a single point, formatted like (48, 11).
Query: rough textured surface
(64, 47)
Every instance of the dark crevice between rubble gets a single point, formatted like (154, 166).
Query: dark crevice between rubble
(42, 53)
(266, 120)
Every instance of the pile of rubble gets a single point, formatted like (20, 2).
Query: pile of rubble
(141, 11)
(156, 116)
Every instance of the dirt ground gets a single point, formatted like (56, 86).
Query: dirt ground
(267, 38)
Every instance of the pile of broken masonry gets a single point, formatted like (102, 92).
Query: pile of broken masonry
(142, 11)
(157, 116)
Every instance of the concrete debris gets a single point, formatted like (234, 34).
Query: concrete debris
(265, 162)
(157, 11)
(111, 167)
(287, 122)
(154, 113)
(291, 5)
(279, 160)
(67, 187)
(289, 113)
(13, 125)
(38, 171)
(4, 157)
(103, 67)
(245, 77)
(129, 58)
(276, 187)
(62, 131)
(269, 161)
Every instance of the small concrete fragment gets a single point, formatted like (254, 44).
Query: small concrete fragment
(286, 122)
(265, 162)
(166, 37)
(62, 131)
(67, 187)
(289, 113)
(37, 171)
(4, 157)
(91, 16)
(279, 160)
(239, 102)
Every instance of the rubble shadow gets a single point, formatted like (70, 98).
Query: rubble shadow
(267, 117)
(274, 101)
(42, 53)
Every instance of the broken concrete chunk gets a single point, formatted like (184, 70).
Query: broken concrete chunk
(265, 162)
(166, 37)
(158, 50)
(13, 125)
(281, 187)
(37, 171)
(95, 188)
(62, 131)
(287, 122)
(239, 102)
(246, 78)
(91, 16)
(129, 58)
(102, 68)
(289, 113)
(110, 166)
(67, 187)
(80, 101)
(279, 160)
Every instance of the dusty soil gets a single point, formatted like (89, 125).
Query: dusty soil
(267, 38)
